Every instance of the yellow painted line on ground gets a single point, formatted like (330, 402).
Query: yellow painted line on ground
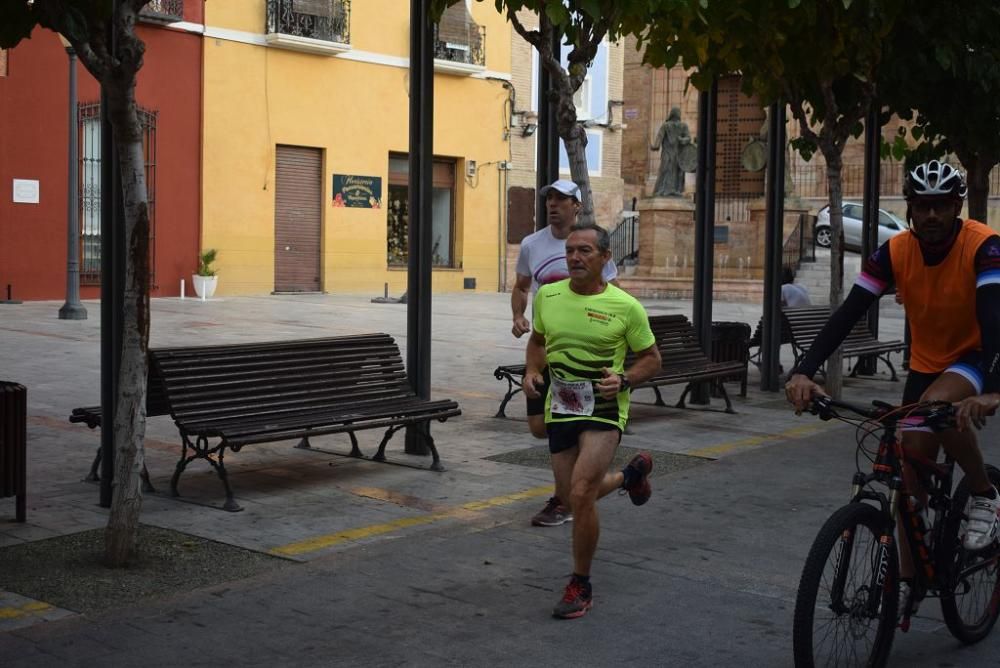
(329, 540)
(714, 451)
(33, 608)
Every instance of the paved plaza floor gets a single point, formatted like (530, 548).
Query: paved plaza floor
(388, 565)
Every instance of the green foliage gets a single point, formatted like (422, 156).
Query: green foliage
(954, 86)
(17, 20)
(76, 19)
(576, 18)
(820, 57)
(783, 48)
(205, 260)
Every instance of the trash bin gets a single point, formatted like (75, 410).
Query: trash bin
(731, 343)
(13, 440)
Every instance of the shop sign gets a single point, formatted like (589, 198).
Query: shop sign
(357, 191)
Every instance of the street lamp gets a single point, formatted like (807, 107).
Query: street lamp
(72, 309)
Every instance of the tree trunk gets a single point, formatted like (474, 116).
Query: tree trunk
(979, 188)
(834, 166)
(576, 151)
(130, 417)
(574, 138)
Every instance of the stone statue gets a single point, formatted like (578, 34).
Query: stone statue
(755, 153)
(671, 140)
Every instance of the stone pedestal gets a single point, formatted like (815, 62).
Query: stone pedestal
(794, 208)
(666, 237)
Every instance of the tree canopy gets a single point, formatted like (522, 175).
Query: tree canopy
(583, 25)
(942, 71)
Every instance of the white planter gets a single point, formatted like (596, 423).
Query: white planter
(204, 286)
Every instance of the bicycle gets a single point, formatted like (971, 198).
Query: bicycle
(846, 607)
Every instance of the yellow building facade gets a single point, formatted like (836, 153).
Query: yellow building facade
(306, 108)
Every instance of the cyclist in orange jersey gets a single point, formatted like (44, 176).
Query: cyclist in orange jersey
(948, 271)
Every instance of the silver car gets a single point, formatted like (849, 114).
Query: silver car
(889, 225)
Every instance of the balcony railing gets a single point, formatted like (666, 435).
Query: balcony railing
(167, 11)
(462, 45)
(309, 25)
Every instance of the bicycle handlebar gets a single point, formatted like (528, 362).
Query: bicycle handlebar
(936, 414)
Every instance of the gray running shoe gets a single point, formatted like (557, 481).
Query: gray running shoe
(552, 515)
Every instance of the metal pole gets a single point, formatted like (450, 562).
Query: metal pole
(109, 377)
(770, 377)
(546, 135)
(704, 232)
(112, 280)
(869, 229)
(418, 304)
(72, 309)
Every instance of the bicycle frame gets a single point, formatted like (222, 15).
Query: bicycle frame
(888, 470)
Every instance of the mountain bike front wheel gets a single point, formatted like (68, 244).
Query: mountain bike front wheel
(971, 607)
(845, 612)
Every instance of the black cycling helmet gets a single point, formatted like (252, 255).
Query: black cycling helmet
(934, 179)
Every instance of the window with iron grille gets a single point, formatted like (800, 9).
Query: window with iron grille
(166, 11)
(89, 118)
(326, 20)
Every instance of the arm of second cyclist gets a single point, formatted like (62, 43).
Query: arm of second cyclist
(519, 304)
(875, 278)
(973, 411)
(800, 389)
(534, 364)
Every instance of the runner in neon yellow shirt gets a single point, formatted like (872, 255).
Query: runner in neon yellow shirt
(581, 329)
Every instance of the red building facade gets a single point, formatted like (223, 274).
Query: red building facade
(34, 137)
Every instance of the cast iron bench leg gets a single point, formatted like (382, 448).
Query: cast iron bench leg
(220, 468)
(304, 444)
(201, 450)
(379, 455)
(423, 430)
(512, 389)
(725, 395)
(680, 403)
(659, 397)
(718, 383)
(94, 476)
(892, 369)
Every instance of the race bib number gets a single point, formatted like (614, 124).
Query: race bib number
(572, 397)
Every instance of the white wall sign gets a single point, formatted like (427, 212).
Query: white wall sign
(26, 191)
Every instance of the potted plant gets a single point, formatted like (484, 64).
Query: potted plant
(205, 279)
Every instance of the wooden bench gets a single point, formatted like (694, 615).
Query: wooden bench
(805, 323)
(683, 361)
(230, 396)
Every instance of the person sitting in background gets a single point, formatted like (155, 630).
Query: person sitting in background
(792, 295)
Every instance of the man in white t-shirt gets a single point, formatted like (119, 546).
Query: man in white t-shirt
(543, 260)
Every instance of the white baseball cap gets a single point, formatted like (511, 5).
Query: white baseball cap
(564, 186)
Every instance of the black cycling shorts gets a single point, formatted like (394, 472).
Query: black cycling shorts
(565, 435)
(969, 366)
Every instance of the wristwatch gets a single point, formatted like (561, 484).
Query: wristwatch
(625, 385)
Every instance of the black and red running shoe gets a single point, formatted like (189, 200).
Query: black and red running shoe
(637, 478)
(576, 601)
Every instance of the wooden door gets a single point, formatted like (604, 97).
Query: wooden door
(298, 203)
